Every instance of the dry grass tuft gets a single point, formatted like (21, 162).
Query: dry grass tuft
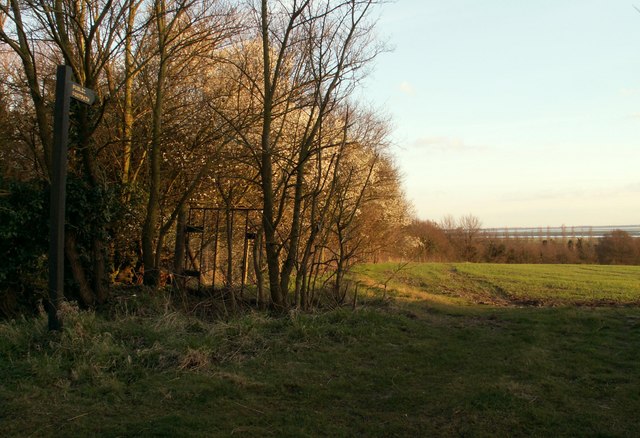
(194, 360)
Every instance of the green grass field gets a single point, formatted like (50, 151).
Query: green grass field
(548, 285)
(454, 350)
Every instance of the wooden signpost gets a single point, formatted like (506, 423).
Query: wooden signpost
(65, 90)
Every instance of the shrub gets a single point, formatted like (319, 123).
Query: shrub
(23, 246)
(618, 248)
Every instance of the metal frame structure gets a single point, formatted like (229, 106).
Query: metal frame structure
(203, 226)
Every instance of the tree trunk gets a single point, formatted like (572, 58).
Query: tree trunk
(152, 219)
(91, 174)
(179, 250)
(294, 235)
(278, 296)
(127, 116)
(229, 271)
(257, 266)
(85, 294)
(229, 216)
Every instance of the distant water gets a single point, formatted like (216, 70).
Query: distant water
(584, 231)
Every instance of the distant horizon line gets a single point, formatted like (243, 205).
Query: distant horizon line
(536, 227)
(562, 231)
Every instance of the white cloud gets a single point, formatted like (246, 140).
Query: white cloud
(629, 91)
(573, 194)
(632, 187)
(445, 144)
(407, 88)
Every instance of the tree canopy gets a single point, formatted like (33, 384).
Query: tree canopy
(199, 103)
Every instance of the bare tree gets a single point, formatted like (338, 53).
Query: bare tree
(185, 36)
(84, 35)
(470, 228)
(312, 53)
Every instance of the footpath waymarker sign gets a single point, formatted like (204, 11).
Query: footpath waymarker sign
(81, 94)
(65, 90)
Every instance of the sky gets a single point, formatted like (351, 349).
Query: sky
(522, 113)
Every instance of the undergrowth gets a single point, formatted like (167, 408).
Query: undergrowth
(146, 333)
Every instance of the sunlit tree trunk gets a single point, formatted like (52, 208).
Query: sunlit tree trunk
(152, 219)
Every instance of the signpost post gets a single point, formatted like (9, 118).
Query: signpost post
(65, 90)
